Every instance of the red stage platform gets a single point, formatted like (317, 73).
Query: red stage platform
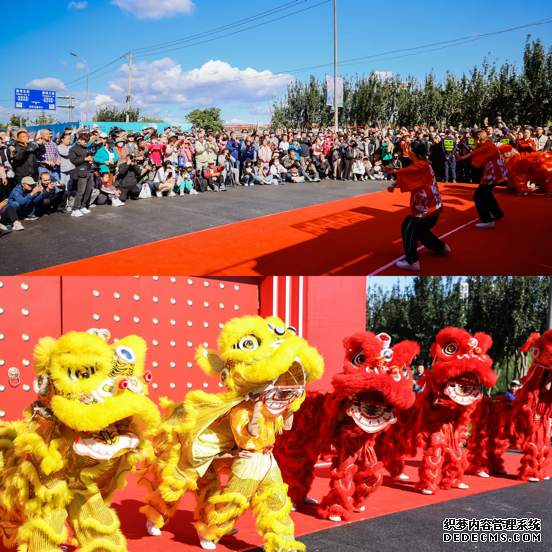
(355, 236)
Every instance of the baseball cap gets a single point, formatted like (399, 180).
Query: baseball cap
(103, 135)
(95, 125)
(28, 180)
(144, 128)
(211, 161)
(188, 164)
(515, 382)
(120, 141)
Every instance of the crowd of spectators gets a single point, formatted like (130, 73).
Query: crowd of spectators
(85, 167)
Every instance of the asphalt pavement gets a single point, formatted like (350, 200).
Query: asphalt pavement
(60, 238)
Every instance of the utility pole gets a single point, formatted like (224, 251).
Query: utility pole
(129, 79)
(549, 319)
(335, 66)
(70, 106)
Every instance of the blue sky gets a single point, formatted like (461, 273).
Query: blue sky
(40, 36)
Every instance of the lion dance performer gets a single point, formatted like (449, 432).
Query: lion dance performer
(523, 423)
(265, 368)
(72, 451)
(443, 409)
(375, 384)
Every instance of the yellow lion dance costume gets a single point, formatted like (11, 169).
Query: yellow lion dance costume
(265, 368)
(72, 451)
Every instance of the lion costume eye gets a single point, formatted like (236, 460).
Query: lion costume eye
(359, 358)
(450, 348)
(249, 343)
(387, 354)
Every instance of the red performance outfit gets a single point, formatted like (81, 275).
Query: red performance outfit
(425, 207)
(494, 172)
(443, 410)
(375, 383)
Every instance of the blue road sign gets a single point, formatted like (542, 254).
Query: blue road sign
(35, 99)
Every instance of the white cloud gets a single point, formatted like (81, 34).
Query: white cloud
(80, 66)
(237, 121)
(77, 5)
(164, 81)
(49, 83)
(155, 9)
(62, 62)
(383, 75)
(260, 109)
(116, 88)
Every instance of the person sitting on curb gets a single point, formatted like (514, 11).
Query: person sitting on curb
(8, 219)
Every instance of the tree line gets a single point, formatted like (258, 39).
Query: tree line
(508, 308)
(519, 95)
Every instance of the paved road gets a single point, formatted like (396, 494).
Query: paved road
(60, 238)
(420, 529)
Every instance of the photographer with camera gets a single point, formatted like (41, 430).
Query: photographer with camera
(127, 181)
(83, 174)
(54, 195)
(26, 198)
(25, 157)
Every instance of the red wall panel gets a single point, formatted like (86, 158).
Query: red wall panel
(173, 315)
(30, 308)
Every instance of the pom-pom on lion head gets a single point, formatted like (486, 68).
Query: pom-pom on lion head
(258, 356)
(379, 377)
(90, 385)
(461, 365)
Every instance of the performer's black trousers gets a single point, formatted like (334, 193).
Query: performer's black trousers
(486, 203)
(417, 229)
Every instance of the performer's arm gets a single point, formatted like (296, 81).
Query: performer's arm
(460, 158)
(254, 426)
(288, 422)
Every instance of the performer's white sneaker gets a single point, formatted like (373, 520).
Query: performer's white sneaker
(402, 476)
(207, 544)
(483, 474)
(462, 486)
(407, 266)
(546, 478)
(362, 508)
(293, 507)
(427, 491)
(309, 500)
(334, 518)
(151, 529)
(534, 479)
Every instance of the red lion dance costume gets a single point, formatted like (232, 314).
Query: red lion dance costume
(527, 172)
(375, 382)
(523, 423)
(440, 419)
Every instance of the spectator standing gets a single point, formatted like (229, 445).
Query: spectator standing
(234, 147)
(305, 144)
(7, 175)
(107, 159)
(66, 166)
(50, 160)
(265, 153)
(25, 157)
(82, 175)
(540, 139)
(122, 151)
(347, 157)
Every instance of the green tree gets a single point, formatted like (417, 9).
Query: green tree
(17, 121)
(113, 114)
(150, 119)
(46, 119)
(208, 119)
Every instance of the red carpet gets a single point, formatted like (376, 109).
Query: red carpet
(391, 497)
(355, 236)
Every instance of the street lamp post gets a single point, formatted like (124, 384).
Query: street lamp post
(86, 83)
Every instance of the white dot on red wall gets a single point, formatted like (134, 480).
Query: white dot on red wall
(205, 304)
(137, 297)
(2, 388)
(221, 325)
(173, 343)
(173, 364)
(1, 284)
(2, 362)
(117, 295)
(206, 284)
(155, 364)
(190, 364)
(136, 319)
(137, 277)
(173, 280)
(236, 307)
(2, 413)
(173, 322)
(206, 345)
(24, 336)
(190, 323)
(1, 310)
(190, 302)
(190, 344)
(221, 286)
(206, 324)
(96, 317)
(116, 340)
(1, 336)
(220, 384)
(24, 287)
(96, 293)
(155, 342)
(155, 278)
(156, 299)
(25, 312)
(173, 301)
(173, 385)
(116, 318)
(237, 288)
(154, 385)
(26, 362)
(221, 305)
(190, 281)
(155, 321)
(189, 385)
(205, 385)
(26, 387)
